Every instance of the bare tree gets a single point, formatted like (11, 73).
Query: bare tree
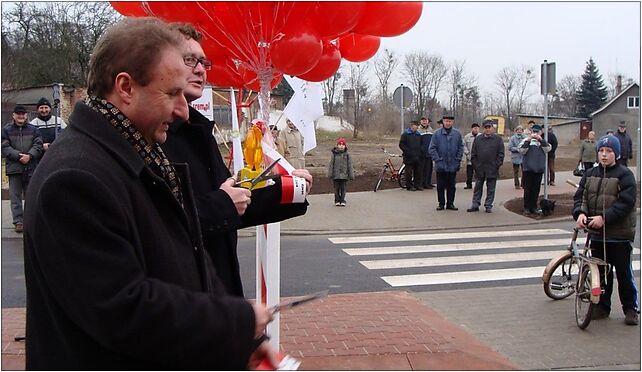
(384, 66)
(565, 101)
(357, 81)
(329, 89)
(525, 79)
(507, 80)
(51, 41)
(426, 73)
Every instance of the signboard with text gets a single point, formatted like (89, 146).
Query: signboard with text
(204, 104)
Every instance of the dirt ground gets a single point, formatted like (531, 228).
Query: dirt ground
(368, 158)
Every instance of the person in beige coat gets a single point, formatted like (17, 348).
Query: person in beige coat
(588, 154)
(293, 141)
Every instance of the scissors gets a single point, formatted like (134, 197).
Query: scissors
(298, 301)
(261, 177)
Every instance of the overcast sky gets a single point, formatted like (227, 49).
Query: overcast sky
(492, 35)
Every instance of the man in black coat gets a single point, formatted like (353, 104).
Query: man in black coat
(487, 155)
(625, 143)
(116, 274)
(552, 140)
(222, 208)
(410, 145)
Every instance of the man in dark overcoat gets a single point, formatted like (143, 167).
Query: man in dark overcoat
(487, 155)
(116, 274)
(410, 145)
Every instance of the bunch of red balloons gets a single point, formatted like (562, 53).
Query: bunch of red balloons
(303, 39)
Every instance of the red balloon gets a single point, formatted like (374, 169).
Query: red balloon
(252, 82)
(328, 64)
(333, 18)
(297, 51)
(224, 74)
(358, 48)
(129, 8)
(388, 18)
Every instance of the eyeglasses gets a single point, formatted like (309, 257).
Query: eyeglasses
(191, 61)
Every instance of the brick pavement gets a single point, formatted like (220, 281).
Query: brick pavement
(360, 331)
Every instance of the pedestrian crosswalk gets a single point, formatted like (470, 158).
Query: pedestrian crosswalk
(459, 257)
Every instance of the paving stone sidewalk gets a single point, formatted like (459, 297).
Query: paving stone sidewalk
(362, 331)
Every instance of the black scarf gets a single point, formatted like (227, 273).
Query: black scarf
(45, 118)
(152, 154)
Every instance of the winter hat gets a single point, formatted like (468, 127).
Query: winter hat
(19, 109)
(341, 141)
(536, 128)
(488, 123)
(610, 141)
(43, 101)
(474, 125)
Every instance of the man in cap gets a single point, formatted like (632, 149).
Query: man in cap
(469, 138)
(410, 145)
(22, 148)
(605, 203)
(626, 144)
(446, 149)
(534, 148)
(49, 125)
(116, 273)
(425, 130)
(487, 156)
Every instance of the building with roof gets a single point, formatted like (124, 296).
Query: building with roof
(569, 130)
(624, 107)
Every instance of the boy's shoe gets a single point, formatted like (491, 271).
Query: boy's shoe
(337, 204)
(18, 227)
(600, 313)
(343, 204)
(631, 317)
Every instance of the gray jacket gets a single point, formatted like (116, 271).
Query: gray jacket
(513, 147)
(340, 165)
(588, 151)
(487, 155)
(469, 138)
(18, 140)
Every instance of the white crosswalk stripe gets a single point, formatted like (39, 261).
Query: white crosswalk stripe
(446, 255)
(445, 236)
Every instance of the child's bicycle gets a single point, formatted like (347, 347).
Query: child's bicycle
(572, 272)
(395, 174)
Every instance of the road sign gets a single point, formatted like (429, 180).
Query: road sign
(402, 96)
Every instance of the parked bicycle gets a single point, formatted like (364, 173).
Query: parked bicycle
(579, 273)
(390, 173)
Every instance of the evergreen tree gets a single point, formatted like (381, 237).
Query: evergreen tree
(592, 93)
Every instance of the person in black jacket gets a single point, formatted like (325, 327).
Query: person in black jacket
(626, 143)
(410, 145)
(425, 130)
(22, 149)
(222, 208)
(552, 140)
(116, 274)
(487, 155)
(607, 195)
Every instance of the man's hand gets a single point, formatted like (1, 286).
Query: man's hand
(596, 223)
(240, 197)
(24, 158)
(265, 350)
(581, 221)
(262, 316)
(45, 146)
(304, 173)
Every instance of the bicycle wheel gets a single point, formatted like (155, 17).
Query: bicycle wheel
(583, 305)
(560, 280)
(383, 173)
(401, 178)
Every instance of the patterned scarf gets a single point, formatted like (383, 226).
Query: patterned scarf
(152, 154)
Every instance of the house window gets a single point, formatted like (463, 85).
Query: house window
(633, 102)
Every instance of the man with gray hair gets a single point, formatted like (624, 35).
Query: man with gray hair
(116, 273)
